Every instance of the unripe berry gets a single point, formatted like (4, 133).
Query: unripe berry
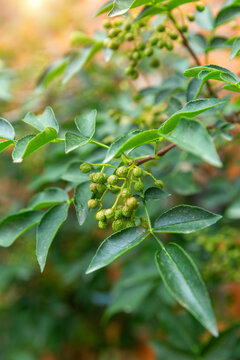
(134, 75)
(113, 32)
(85, 168)
(129, 223)
(148, 52)
(102, 225)
(122, 171)
(154, 40)
(112, 180)
(132, 203)
(100, 178)
(128, 71)
(100, 216)
(113, 45)
(161, 28)
(191, 17)
(141, 45)
(92, 203)
(109, 213)
(118, 214)
(129, 37)
(118, 22)
(200, 7)
(139, 186)
(137, 172)
(126, 211)
(159, 184)
(107, 24)
(135, 55)
(100, 188)
(92, 177)
(184, 28)
(155, 63)
(93, 187)
(126, 193)
(127, 27)
(173, 35)
(118, 225)
(169, 45)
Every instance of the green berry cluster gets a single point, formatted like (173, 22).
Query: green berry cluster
(123, 182)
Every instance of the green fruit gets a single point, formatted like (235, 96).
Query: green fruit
(118, 225)
(128, 71)
(112, 180)
(127, 27)
(112, 112)
(92, 177)
(139, 186)
(169, 45)
(148, 52)
(154, 40)
(200, 7)
(118, 22)
(85, 168)
(173, 35)
(126, 211)
(93, 187)
(100, 178)
(161, 28)
(155, 63)
(113, 32)
(122, 171)
(109, 213)
(107, 24)
(159, 183)
(132, 203)
(100, 188)
(92, 203)
(113, 45)
(102, 225)
(137, 172)
(129, 37)
(191, 17)
(100, 216)
(126, 193)
(118, 214)
(135, 55)
(114, 190)
(134, 75)
(141, 45)
(161, 44)
(129, 223)
(184, 28)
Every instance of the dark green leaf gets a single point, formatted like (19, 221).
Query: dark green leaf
(167, 352)
(191, 136)
(235, 88)
(181, 277)
(226, 14)
(74, 174)
(172, 4)
(105, 8)
(185, 219)
(5, 144)
(211, 69)
(233, 211)
(154, 193)
(47, 230)
(6, 130)
(52, 71)
(15, 225)
(235, 48)
(191, 109)
(198, 43)
(183, 183)
(120, 7)
(194, 88)
(74, 141)
(81, 196)
(20, 147)
(45, 120)
(48, 197)
(115, 246)
(86, 124)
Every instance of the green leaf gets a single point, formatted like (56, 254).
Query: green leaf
(191, 136)
(226, 14)
(183, 183)
(154, 193)
(79, 38)
(233, 211)
(235, 48)
(105, 8)
(52, 71)
(47, 230)
(45, 120)
(235, 88)
(115, 246)
(6, 130)
(205, 18)
(130, 141)
(120, 7)
(167, 352)
(181, 277)
(185, 219)
(150, 11)
(172, 4)
(191, 109)
(17, 224)
(74, 174)
(81, 196)
(27, 145)
(198, 43)
(74, 141)
(5, 144)
(80, 59)
(86, 124)
(213, 71)
(49, 197)
(194, 88)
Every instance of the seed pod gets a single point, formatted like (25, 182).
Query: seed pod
(127, 27)
(135, 55)
(118, 22)
(161, 44)
(122, 171)
(93, 176)
(109, 213)
(112, 180)
(102, 225)
(129, 223)
(141, 45)
(134, 75)
(184, 28)
(85, 168)
(137, 172)
(132, 203)
(154, 40)
(100, 216)
(92, 203)
(118, 214)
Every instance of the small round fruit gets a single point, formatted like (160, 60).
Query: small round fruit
(126, 211)
(109, 213)
(129, 37)
(169, 45)
(107, 24)
(112, 180)
(93, 187)
(134, 74)
(191, 17)
(85, 168)
(148, 52)
(122, 171)
(127, 27)
(113, 32)
(161, 28)
(161, 44)
(100, 216)
(102, 225)
(113, 45)
(184, 28)
(132, 203)
(139, 186)
(135, 55)
(126, 193)
(118, 225)
(141, 45)
(200, 7)
(173, 35)
(93, 176)
(159, 184)
(118, 214)
(137, 172)
(155, 63)
(118, 22)
(128, 71)
(100, 188)
(129, 223)
(92, 203)
(154, 40)
(100, 178)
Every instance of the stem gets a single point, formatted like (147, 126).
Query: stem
(99, 144)
(159, 154)
(158, 240)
